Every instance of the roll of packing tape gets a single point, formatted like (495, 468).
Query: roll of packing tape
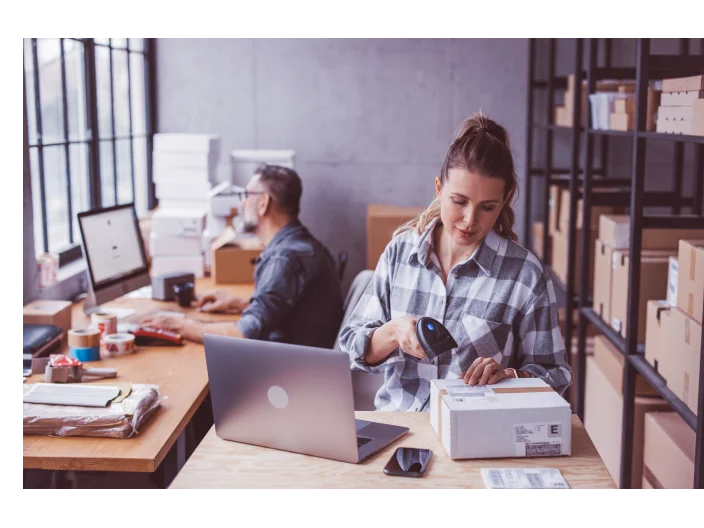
(118, 344)
(105, 322)
(88, 338)
(85, 353)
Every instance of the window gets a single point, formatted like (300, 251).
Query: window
(89, 126)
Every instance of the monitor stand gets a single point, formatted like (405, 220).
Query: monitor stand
(90, 307)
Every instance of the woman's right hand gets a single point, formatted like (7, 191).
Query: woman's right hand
(404, 331)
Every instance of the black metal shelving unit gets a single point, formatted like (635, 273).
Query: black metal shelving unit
(629, 193)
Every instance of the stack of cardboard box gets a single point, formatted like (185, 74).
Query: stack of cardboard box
(603, 408)
(612, 261)
(681, 109)
(674, 333)
(622, 117)
(668, 460)
(382, 221)
(563, 114)
(176, 241)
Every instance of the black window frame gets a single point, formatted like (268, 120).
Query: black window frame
(93, 137)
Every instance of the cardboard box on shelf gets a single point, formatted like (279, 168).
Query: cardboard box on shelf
(561, 117)
(690, 279)
(625, 106)
(698, 118)
(513, 418)
(676, 113)
(665, 126)
(559, 257)
(603, 420)
(233, 260)
(653, 285)
(622, 122)
(56, 313)
(554, 209)
(682, 363)
(615, 230)
(181, 263)
(596, 210)
(382, 221)
(683, 84)
(611, 361)
(658, 331)
(538, 231)
(681, 98)
(670, 446)
(602, 279)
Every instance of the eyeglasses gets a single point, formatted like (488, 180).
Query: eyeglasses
(243, 195)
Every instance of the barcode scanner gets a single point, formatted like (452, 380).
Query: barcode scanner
(434, 337)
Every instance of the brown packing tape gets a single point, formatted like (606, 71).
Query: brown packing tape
(685, 398)
(692, 263)
(690, 303)
(686, 331)
(652, 478)
(85, 338)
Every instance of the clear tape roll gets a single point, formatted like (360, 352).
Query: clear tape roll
(105, 322)
(118, 344)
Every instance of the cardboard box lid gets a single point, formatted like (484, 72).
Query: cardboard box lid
(42, 307)
(228, 238)
(522, 393)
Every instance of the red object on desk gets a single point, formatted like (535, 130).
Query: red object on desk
(149, 336)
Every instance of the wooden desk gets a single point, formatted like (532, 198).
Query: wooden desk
(181, 374)
(218, 463)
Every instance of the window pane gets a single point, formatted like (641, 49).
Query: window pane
(140, 176)
(136, 44)
(49, 57)
(139, 118)
(107, 180)
(124, 172)
(56, 198)
(75, 90)
(102, 67)
(104, 41)
(80, 196)
(29, 86)
(36, 201)
(118, 42)
(120, 84)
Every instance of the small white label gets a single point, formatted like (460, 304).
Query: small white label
(616, 324)
(533, 440)
(466, 390)
(521, 478)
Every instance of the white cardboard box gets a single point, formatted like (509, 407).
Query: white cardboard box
(183, 263)
(170, 174)
(165, 245)
(178, 222)
(513, 418)
(187, 142)
(182, 190)
(187, 160)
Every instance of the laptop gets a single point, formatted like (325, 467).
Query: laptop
(289, 397)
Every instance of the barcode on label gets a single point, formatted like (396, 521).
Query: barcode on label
(496, 479)
(543, 449)
(535, 481)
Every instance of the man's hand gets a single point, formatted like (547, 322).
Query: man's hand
(165, 322)
(485, 371)
(213, 302)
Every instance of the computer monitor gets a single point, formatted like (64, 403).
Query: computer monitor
(245, 162)
(114, 252)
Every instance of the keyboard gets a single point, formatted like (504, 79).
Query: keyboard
(362, 440)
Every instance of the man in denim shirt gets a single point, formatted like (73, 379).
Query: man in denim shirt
(297, 297)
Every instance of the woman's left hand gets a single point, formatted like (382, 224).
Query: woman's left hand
(485, 371)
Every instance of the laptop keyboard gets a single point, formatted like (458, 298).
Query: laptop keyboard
(362, 440)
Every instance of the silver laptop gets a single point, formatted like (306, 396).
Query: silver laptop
(289, 397)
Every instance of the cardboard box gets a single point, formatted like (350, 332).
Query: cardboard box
(672, 280)
(658, 329)
(690, 279)
(513, 418)
(603, 420)
(625, 106)
(682, 362)
(233, 261)
(647, 484)
(615, 230)
(182, 263)
(665, 126)
(196, 178)
(164, 245)
(670, 446)
(676, 113)
(204, 161)
(620, 122)
(382, 221)
(596, 211)
(182, 189)
(538, 230)
(56, 313)
(554, 209)
(559, 257)
(178, 222)
(611, 361)
(653, 285)
(683, 84)
(698, 118)
(681, 98)
(602, 279)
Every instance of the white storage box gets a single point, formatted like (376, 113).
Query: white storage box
(187, 143)
(513, 418)
(174, 264)
(165, 245)
(182, 190)
(167, 174)
(602, 106)
(187, 160)
(178, 222)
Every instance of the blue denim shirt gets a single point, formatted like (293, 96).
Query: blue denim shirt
(297, 296)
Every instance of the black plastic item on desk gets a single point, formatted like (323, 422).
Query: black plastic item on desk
(184, 293)
(434, 337)
(40, 340)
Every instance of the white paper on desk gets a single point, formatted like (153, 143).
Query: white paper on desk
(523, 478)
(71, 394)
